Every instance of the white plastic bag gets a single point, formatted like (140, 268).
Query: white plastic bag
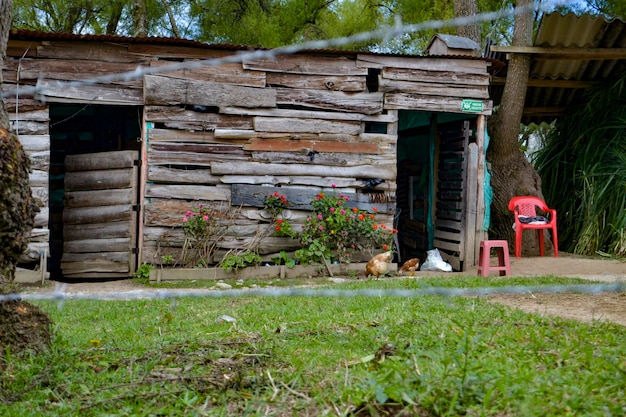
(434, 262)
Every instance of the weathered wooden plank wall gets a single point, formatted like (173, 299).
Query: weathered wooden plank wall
(298, 122)
(301, 129)
(31, 124)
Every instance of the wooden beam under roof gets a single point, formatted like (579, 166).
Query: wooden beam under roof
(544, 111)
(541, 52)
(548, 83)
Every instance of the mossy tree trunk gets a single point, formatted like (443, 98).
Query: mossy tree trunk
(17, 208)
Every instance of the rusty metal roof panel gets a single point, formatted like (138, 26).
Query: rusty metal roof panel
(568, 31)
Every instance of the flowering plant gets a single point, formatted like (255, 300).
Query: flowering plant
(334, 227)
(202, 229)
(275, 204)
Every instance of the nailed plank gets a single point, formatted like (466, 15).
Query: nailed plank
(84, 215)
(108, 230)
(105, 267)
(461, 65)
(384, 171)
(75, 69)
(412, 101)
(174, 135)
(89, 51)
(321, 158)
(29, 127)
(434, 89)
(198, 51)
(188, 192)
(227, 73)
(277, 145)
(118, 244)
(39, 115)
(181, 118)
(303, 180)
(181, 175)
(159, 157)
(170, 91)
(38, 178)
(99, 198)
(35, 143)
(42, 217)
(312, 114)
(349, 83)
(203, 148)
(292, 125)
(99, 179)
(306, 64)
(101, 160)
(100, 93)
(368, 103)
(446, 76)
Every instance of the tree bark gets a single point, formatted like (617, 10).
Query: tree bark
(468, 8)
(512, 174)
(17, 208)
(140, 18)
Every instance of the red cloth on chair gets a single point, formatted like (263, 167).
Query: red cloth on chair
(527, 206)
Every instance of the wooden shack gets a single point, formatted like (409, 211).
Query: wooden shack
(119, 160)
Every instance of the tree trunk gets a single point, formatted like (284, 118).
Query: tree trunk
(140, 18)
(22, 325)
(512, 174)
(172, 18)
(17, 209)
(467, 8)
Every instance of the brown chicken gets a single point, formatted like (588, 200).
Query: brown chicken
(378, 264)
(409, 266)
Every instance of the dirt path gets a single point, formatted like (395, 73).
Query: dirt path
(584, 307)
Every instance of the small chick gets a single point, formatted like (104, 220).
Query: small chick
(378, 264)
(409, 266)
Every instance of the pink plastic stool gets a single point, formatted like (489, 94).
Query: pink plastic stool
(484, 258)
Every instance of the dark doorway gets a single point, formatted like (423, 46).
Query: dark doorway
(77, 129)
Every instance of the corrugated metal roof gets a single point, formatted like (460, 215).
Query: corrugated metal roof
(32, 35)
(546, 100)
(37, 36)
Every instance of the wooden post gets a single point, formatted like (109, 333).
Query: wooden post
(470, 208)
(480, 206)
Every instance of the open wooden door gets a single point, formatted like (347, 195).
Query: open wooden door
(100, 215)
(451, 222)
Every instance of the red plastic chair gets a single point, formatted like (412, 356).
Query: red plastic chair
(527, 206)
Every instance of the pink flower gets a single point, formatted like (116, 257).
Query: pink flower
(185, 219)
(333, 185)
(320, 227)
(205, 218)
(342, 211)
(332, 209)
(188, 213)
(319, 216)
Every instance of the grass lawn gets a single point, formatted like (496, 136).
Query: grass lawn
(317, 356)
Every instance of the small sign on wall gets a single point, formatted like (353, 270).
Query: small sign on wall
(473, 106)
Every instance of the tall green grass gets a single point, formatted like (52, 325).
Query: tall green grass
(316, 356)
(583, 171)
